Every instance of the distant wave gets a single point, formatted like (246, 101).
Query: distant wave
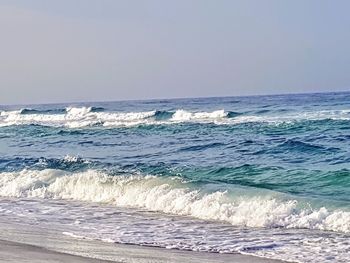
(294, 117)
(79, 117)
(50, 111)
(82, 110)
(233, 114)
(173, 196)
(163, 115)
(182, 115)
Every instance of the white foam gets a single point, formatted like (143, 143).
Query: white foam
(170, 196)
(75, 118)
(75, 159)
(294, 117)
(8, 113)
(78, 117)
(182, 115)
(134, 226)
(74, 112)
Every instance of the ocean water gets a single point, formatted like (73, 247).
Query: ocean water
(264, 175)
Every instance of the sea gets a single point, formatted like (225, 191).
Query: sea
(267, 176)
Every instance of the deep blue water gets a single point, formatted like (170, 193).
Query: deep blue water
(285, 148)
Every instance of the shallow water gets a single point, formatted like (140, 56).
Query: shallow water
(264, 175)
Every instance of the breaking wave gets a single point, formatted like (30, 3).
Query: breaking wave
(74, 117)
(173, 196)
(78, 117)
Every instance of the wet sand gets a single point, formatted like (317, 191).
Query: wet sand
(23, 243)
(18, 252)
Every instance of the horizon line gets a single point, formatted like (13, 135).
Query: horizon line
(180, 98)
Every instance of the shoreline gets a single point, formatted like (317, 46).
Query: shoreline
(11, 251)
(33, 243)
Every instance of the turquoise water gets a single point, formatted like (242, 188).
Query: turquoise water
(260, 164)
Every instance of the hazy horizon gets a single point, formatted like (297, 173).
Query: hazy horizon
(174, 98)
(85, 51)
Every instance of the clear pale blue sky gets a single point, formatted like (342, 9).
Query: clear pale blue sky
(80, 50)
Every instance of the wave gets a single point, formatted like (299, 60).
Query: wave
(342, 115)
(68, 163)
(72, 110)
(79, 117)
(32, 111)
(163, 115)
(233, 114)
(50, 111)
(182, 115)
(75, 118)
(83, 110)
(173, 196)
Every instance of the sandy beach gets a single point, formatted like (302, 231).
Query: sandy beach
(19, 252)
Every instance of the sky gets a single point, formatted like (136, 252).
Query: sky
(84, 50)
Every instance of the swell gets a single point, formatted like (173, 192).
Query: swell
(173, 196)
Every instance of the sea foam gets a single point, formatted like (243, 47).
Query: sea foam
(182, 115)
(173, 196)
(79, 117)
